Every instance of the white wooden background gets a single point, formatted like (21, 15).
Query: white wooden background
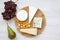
(51, 9)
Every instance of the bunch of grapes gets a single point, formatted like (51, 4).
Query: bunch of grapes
(10, 10)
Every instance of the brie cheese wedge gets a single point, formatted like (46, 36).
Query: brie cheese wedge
(37, 22)
(32, 31)
(32, 12)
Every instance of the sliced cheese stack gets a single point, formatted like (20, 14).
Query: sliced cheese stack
(32, 31)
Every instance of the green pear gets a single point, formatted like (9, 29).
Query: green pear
(11, 33)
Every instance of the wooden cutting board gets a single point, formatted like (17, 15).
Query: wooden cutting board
(39, 13)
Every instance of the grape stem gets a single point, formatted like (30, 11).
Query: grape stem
(16, 0)
(10, 0)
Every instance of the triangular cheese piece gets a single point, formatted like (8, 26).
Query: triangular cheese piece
(32, 31)
(32, 11)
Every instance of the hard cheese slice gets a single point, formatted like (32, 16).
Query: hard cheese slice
(37, 22)
(32, 31)
(32, 11)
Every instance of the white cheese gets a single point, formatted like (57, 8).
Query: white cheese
(32, 12)
(37, 22)
(22, 15)
(32, 31)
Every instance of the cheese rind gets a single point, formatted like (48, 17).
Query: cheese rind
(32, 31)
(37, 22)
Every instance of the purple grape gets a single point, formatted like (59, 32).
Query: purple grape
(10, 10)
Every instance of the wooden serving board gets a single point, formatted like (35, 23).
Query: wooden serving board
(39, 13)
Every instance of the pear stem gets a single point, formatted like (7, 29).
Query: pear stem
(7, 24)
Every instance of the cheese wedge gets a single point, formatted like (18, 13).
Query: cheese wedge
(32, 31)
(37, 22)
(32, 11)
